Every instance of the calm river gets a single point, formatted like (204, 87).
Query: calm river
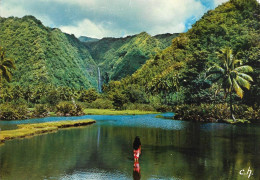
(170, 150)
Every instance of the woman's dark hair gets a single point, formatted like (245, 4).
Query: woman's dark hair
(136, 143)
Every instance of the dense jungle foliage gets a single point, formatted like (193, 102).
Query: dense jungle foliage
(46, 56)
(177, 75)
(53, 67)
(119, 57)
(173, 79)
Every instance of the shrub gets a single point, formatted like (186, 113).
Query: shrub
(253, 114)
(135, 94)
(213, 112)
(41, 110)
(162, 108)
(69, 109)
(141, 107)
(13, 112)
(89, 95)
(53, 97)
(102, 104)
(119, 100)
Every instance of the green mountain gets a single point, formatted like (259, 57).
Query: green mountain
(87, 39)
(119, 57)
(178, 72)
(46, 56)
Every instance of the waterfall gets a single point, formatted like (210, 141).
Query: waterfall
(73, 101)
(99, 81)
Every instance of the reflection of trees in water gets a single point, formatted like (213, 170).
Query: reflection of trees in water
(195, 153)
(187, 154)
(46, 155)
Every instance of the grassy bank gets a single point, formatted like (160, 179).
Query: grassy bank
(238, 121)
(26, 130)
(216, 113)
(116, 112)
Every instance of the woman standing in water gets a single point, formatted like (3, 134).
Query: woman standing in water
(137, 152)
(137, 148)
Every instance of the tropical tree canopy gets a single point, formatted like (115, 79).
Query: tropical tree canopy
(231, 74)
(5, 66)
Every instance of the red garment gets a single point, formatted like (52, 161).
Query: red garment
(137, 153)
(137, 167)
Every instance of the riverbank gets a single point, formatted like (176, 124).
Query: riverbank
(216, 113)
(27, 130)
(116, 112)
(32, 113)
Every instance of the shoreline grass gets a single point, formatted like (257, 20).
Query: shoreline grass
(99, 112)
(27, 130)
(116, 112)
(238, 121)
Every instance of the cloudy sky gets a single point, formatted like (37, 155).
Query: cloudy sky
(112, 18)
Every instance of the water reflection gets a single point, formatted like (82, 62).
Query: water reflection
(136, 171)
(104, 151)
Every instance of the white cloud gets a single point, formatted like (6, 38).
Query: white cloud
(6, 10)
(87, 28)
(219, 2)
(12, 9)
(105, 18)
(152, 16)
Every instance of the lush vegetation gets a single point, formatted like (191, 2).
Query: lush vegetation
(46, 56)
(55, 73)
(173, 79)
(26, 130)
(115, 112)
(5, 66)
(119, 57)
(230, 76)
(177, 75)
(215, 112)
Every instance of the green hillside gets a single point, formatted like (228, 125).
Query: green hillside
(177, 74)
(46, 56)
(119, 57)
(87, 39)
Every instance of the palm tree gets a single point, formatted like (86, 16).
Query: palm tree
(5, 66)
(231, 76)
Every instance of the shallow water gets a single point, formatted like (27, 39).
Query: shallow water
(170, 150)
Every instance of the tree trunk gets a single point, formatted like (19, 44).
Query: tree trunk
(231, 109)
(165, 97)
(0, 86)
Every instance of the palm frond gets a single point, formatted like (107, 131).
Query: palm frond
(237, 88)
(212, 74)
(215, 68)
(242, 82)
(226, 84)
(9, 63)
(236, 62)
(244, 69)
(216, 78)
(5, 73)
(2, 55)
(245, 76)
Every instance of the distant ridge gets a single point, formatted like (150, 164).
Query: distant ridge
(119, 57)
(46, 55)
(87, 39)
